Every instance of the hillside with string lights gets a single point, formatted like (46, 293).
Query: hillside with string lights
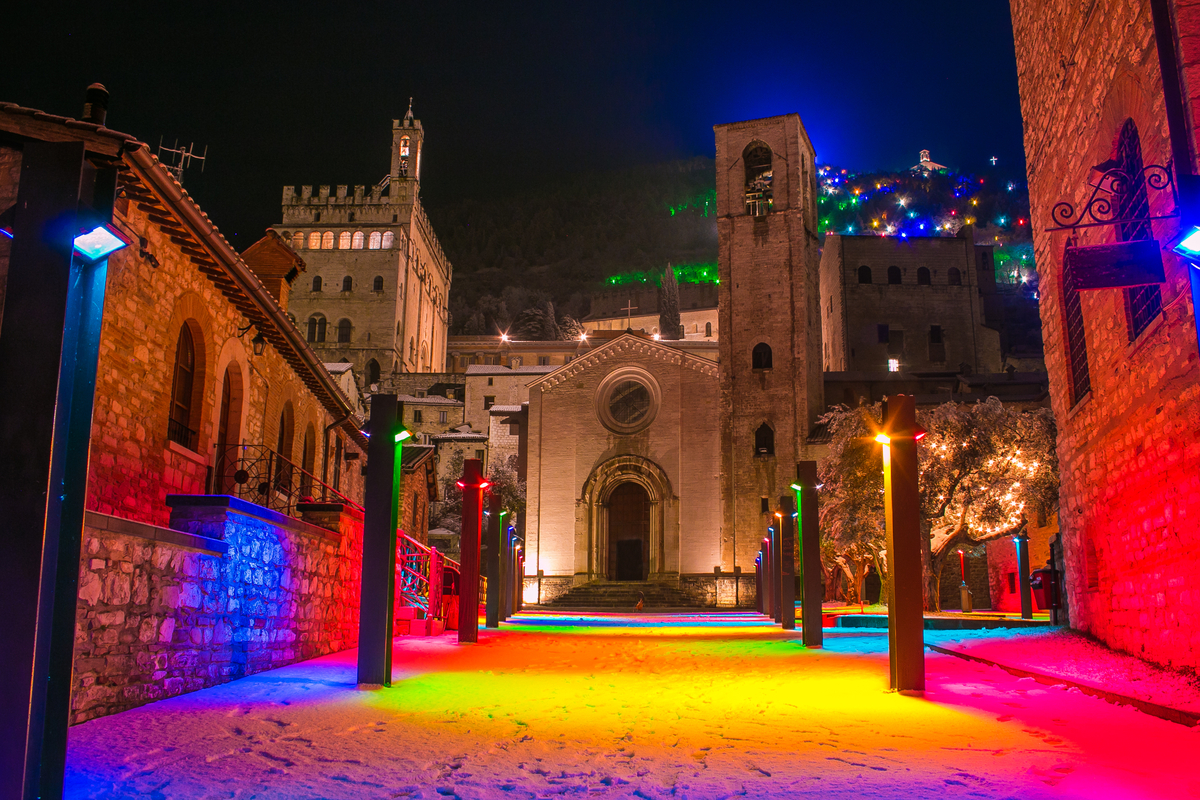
(581, 234)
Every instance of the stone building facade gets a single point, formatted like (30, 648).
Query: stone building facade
(771, 388)
(376, 289)
(198, 360)
(622, 480)
(1123, 363)
(906, 305)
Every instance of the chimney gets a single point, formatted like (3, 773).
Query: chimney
(95, 104)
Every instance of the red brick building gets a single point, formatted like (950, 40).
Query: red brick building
(1122, 360)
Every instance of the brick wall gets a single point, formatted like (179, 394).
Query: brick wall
(1129, 450)
(1002, 562)
(133, 465)
(236, 590)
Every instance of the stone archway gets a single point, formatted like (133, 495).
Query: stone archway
(593, 545)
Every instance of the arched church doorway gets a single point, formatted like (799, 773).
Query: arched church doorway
(629, 533)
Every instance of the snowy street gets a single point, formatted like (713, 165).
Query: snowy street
(687, 706)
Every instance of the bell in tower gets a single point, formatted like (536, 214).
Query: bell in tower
(407, 138)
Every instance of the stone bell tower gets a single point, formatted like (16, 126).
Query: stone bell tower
(769, 316)
(407, 139)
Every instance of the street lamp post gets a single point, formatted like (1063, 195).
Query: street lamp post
(472, 485)
(494, 555)
(964, 591)
(812, 590)
(1021, 540)
(786, 522)
(906, 623)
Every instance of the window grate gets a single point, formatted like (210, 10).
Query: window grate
(1142, 303)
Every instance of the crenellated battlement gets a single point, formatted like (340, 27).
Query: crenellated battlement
(396, 194)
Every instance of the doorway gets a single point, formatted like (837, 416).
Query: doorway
(628, 533)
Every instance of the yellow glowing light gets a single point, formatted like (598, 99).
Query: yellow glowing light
(883, 438)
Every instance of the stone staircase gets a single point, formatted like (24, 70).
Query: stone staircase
(623, 596)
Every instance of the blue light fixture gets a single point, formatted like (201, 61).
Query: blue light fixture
(1189, 245)
(99, 243)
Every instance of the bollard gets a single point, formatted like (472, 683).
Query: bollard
(813, 590)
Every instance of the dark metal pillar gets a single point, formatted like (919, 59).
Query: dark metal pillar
(1022, 542)
(787, 562)
(813, 589)
(50, 337)
(472, 485)
(493, 561)
(758, 582)
(768, 571)
(906, 622)
(776, 573)
(381, 501)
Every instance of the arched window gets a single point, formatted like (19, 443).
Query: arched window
(954, 276)
(179, 425)
(344, 240)
(283, 446)
(347, 284)
(316, 328)
(893, 275)
(1077, 357)
(404, 146)
(923, 276)
(708, 329)
(308, 459)
(757, 160)
(864, 274)
(760, 357)
(373, 240)
(378, 284)
(1142, 303)
(764, 441)
(314, 240)
(372, 372)
(356, 241)
(343, 331)
(298, 240)
(388, 239)
(317, 283)
(327, 240)
(229, 427)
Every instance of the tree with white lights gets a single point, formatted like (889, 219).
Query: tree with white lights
(983, 467)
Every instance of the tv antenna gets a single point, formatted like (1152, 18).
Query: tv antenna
(179, 158)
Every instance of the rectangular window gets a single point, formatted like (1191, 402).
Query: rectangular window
(462, 362)
(937, 348)
(514, 429)
(543, 361)
(441, 416)
(489, 400)
(893, 365)
(1012, 583)
(417, 415)
(490, 381)
(766, 505)
(479, 454)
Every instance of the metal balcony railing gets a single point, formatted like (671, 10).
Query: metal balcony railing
(181, 434)
(262, 476)
(415, 563)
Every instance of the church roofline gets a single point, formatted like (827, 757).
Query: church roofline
(625, 340)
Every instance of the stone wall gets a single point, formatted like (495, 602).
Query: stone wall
(232, 589)
(1002, 563)
(977, 579)
(1129, 449)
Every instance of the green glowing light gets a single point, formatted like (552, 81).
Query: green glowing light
(684, 273)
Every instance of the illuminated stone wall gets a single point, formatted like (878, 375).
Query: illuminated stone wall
(1130, 448)
(230, 590)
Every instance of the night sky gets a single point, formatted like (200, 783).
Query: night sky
(515, 94)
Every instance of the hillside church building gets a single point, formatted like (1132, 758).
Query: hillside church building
(647, 462)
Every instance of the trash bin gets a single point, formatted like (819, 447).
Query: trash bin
(1041, 581)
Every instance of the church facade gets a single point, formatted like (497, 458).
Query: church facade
(623, 480)
(648, 463)
(375, 293)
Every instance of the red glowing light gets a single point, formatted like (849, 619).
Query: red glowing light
(919, 434)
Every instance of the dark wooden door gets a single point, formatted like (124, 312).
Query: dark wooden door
(628, 533)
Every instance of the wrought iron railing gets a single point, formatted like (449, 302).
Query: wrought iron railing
(262, 476)
(181, 434)
(415, 564)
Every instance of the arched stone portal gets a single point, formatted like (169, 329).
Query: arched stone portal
(628, 533)
(627, 499)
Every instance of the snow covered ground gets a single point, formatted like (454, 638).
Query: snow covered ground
(698, 706)
(1069, 654)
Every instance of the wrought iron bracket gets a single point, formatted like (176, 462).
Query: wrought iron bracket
(1100, 206)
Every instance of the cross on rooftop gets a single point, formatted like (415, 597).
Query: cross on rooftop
(994, 160)
(629, 309)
